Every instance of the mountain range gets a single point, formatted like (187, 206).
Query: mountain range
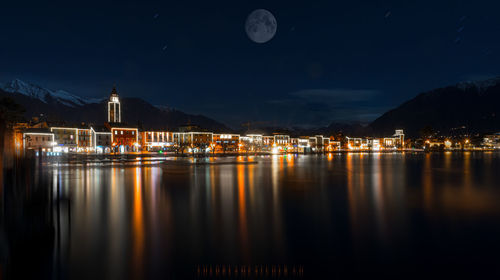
(62, 106)
(464, 108)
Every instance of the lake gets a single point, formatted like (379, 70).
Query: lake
(284, 216)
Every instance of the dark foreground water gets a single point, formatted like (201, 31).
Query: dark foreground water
(318, 216)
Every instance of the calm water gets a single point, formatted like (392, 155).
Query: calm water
(336, 215)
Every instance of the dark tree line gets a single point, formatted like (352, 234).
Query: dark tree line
(10, 112)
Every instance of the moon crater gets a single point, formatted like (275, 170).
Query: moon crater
(261, 26)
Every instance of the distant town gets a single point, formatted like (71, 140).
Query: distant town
(39, 138)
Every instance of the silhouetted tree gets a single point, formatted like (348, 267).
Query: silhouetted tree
(10, 112)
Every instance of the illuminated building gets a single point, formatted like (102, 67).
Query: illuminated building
(434, 143)
(124, 138)
(226, 143)
(447, 144)
(294, 145)
(267, 143)
(84, 140)
(491, 141)
(354, 144)
(114, 108)
(394, 142)
(334, 146)
(66, 138)
(326, 142)
(101, 139)
(316, 143)
(193, 141)
(281, 139)
(375, 145)
(400, 134)
(38, 139)
(255, 138)
(156, 140)
(251, 142)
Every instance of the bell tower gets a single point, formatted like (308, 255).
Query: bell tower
(114, 110)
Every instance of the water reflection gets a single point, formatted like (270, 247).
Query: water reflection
(138, 225)
(337, 210)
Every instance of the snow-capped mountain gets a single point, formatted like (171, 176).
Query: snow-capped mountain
(63, 107)
(480, 85)
(47, 95)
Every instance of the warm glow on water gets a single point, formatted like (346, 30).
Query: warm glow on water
(383, 212)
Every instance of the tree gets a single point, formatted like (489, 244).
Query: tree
(10, 112)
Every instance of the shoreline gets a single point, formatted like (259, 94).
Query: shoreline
(140, 155)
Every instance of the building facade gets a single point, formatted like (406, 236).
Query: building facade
(66, 138)
(38, 140)
(84, 140)
(101, 139)
(223, 143)
(124, 139)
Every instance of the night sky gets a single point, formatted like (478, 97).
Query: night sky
(345, 61)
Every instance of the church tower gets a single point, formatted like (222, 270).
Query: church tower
(114, 110)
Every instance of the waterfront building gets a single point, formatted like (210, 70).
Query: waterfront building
(316, 143)
(65, 138)
(100, 138)
(400, 134)
(225, 143)
(375, 145)
(434, 144)
(38, 139)
(303, 145)
(193, 141)
(492, 141)
(326, 143)
(389, 143)
(156, 140)
(354, 143)
(267, 143)
(334, 146)
(267, 140)
(124, 138)
(281, 139)
(394, 142)
(251, 142)
(84, 140)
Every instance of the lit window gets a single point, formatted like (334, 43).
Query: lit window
(116, 132)
(121, 132)
(133, 132)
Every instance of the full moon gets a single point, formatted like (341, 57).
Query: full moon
(261, 26)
